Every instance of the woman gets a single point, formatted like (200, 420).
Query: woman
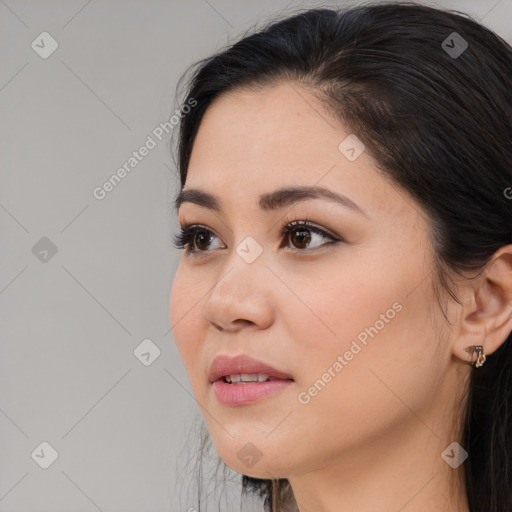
(346, 210)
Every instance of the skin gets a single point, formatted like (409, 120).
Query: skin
(372, 438)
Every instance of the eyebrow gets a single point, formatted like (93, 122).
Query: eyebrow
(269, 201)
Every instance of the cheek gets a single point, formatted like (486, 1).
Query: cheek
(354, 326)
(339, 302)
(186, 320)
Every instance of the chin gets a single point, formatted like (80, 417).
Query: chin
(251, 462)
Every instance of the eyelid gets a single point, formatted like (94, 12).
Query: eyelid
(312, 226)
(188, 231)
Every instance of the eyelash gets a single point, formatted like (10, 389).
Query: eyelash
(183, 239)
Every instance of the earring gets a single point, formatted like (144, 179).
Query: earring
(480, 358)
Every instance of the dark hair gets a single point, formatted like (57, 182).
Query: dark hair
(439, 125)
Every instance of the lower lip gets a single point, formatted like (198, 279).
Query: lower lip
(241, 394)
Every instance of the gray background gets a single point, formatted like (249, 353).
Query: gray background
(70, 322)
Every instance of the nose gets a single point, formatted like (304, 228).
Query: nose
(242, 296)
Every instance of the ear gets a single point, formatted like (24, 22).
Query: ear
(487, 309)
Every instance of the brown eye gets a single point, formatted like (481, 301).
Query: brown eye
(202, 237)
(302, 233)
(300, 237)
(195, 239)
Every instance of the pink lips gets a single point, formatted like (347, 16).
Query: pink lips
(226, 365)
(242, 394)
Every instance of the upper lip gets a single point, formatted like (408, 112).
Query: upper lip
(224, 365)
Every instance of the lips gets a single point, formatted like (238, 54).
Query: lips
(225, 365)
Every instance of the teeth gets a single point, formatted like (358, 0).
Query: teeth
(246, 377)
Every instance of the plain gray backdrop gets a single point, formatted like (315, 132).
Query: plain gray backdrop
(89, 371)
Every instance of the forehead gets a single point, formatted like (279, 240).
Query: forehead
(251, 142)
(259, 136)
(282, 121)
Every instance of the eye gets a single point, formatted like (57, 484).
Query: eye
(191, 236)
(195, 239)
(302, 233)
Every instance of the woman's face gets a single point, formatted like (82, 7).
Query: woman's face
(350, 321)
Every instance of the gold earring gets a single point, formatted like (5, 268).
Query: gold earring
(480, 358)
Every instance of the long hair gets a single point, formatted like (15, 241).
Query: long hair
(434, 110)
